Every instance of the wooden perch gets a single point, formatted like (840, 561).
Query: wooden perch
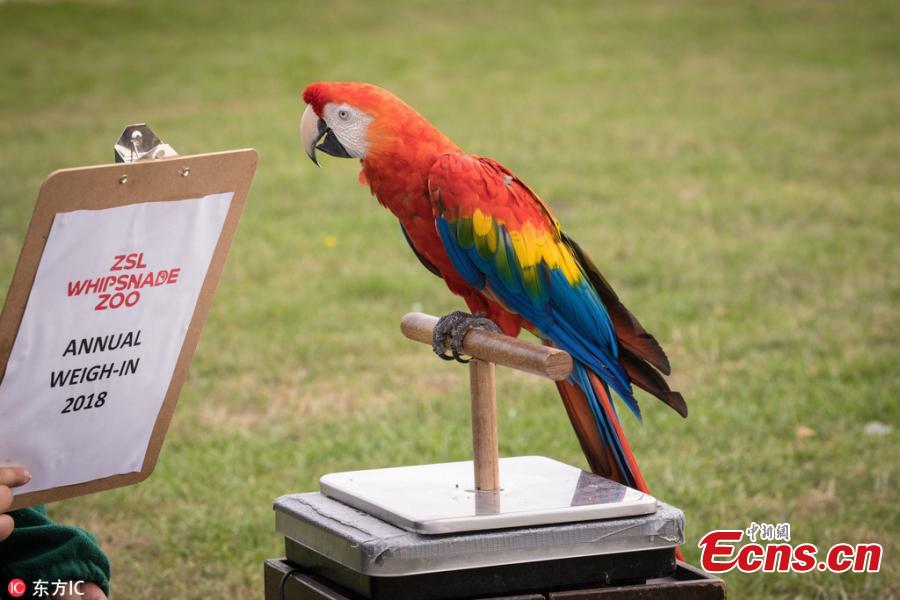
(497, 348)
(487, 348)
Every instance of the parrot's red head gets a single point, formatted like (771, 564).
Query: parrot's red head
(364, 121)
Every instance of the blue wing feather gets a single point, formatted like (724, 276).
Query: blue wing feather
(573, 316)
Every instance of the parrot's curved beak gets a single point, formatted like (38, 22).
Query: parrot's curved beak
(312, 130)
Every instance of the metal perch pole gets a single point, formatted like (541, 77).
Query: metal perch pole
(487, 349)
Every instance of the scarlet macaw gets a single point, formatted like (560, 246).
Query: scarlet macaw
(494, 242)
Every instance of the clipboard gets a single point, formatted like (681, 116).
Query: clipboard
(118, 185)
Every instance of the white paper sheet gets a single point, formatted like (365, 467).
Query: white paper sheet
(104, 325)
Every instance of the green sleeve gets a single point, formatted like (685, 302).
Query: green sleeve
(41, 549)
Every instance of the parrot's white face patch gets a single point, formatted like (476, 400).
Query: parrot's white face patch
(349, 124)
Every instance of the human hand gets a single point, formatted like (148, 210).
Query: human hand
(10, 477)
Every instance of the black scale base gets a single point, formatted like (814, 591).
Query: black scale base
(649, 575)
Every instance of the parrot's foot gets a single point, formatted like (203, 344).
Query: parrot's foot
(455, 326)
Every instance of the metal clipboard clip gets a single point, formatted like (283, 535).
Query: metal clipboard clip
(138, 142)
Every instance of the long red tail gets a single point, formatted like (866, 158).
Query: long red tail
(600, 455)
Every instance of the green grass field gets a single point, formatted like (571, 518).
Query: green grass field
(733, 167)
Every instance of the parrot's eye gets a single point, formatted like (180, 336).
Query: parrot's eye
(343, 115)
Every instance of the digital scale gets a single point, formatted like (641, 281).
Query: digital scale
(523, 528)
(441, 498)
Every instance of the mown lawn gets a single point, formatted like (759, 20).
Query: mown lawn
(733, 167)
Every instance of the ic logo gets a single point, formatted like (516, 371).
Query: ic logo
(16, 588)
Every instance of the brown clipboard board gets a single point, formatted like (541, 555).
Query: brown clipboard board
(109, 186)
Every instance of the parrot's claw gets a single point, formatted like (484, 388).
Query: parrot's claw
(442, 329)
(456, 325)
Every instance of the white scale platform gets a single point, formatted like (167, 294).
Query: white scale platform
(440, 498)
